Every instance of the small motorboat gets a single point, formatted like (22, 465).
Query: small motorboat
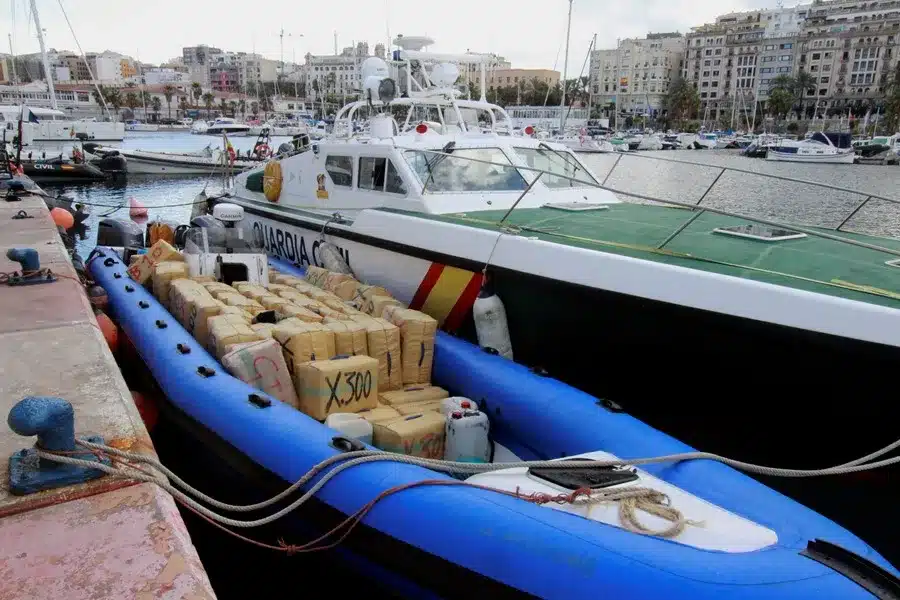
(510, 532)
(59, 169)
(108, 160)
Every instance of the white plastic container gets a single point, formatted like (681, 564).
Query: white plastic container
(455, 403)
(466, 437)
(351, 425)
(491, 327)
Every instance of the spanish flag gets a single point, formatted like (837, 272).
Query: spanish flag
(447, 294)
(229, 149)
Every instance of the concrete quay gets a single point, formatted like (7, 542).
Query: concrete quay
(106, 538)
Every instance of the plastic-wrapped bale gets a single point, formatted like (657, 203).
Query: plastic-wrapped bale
(304, 287)
(340, 385)
(303, 342)
(225, 330)
(341, 285)
(326, 298)
(203, 278)
(180, 293)
(192, 306)
(274, 288)
(142, 268)
(288, 311)
(383, 341)
(224, 309)
(349, 338)
(365, 291)
(163, 275)
(376, 305)
(413, 394)
(262, 365)
(417, 331)
(316, 276)
(217, 290)
(419, 435)
(285, 279)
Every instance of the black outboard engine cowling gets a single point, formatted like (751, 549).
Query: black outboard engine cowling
(120, 233)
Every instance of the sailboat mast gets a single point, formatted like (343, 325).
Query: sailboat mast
(590, 83)
(45, 60)
(617, 81)
(562, 98)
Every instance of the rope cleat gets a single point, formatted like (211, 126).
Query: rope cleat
(52, 420)
(31, 272)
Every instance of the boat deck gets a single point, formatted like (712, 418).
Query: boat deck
(107, 538)
(637, 230)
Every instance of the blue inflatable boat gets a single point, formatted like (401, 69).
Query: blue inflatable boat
(743, 540)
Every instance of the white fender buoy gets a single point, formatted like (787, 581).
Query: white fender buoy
(491, 326)
(332, 260)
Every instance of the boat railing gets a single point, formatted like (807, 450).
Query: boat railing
(696, 207)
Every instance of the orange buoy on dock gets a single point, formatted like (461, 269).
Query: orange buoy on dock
(109, 330)
(62, 218)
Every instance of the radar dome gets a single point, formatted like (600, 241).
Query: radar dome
(444, 74)
(374, 67)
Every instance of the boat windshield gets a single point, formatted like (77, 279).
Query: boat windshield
(466, 170)
(563, 170)
(237, 240)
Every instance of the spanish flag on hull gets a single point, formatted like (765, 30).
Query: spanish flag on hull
(447, 294)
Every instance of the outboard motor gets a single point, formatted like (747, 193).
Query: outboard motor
(120, 233)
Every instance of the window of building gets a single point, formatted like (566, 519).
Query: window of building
(824, 80)
(340, 169)
(784, 69)
(816, 55)
(786, 46)
(770, 47)
(784, 58)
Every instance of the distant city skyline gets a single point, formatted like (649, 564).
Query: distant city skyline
(529, 34)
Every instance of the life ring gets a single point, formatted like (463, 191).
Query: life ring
(263, 151)
(272, 181)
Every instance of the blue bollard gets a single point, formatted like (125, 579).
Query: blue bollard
(52, 420)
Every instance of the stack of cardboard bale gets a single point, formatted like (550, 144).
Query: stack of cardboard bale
(324, 344)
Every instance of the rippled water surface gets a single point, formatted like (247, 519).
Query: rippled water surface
(682, 176)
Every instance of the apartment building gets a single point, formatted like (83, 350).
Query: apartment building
(637, 73)
(850, 48)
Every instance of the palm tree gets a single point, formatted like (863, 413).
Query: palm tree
(232, 108)
(803, 84)
(223, 106)
(132, 102)
(254, 108)
(183, 105)
(156, 103)
(208, 98)
(114, 99)
(196, 92)
(242, 106)
(146, 100)
(99, 95)
(169, 93)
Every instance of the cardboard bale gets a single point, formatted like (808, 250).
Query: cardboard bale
(419, 435)
(225, 330)
(285, 279)
(376, 305)
(161, 251)
(349, 337)
(261, 364)
(341, 285)
(413, 408)
(163, 275)
(264, 329)
(413, 393)
(383, 342)
(379, 414)
(316, 276)
(303, 342)
(288, 311)
(338, 385)
(417, 331)
(201, 308)
(271, 302)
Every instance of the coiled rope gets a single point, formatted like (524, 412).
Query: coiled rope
(630, 499)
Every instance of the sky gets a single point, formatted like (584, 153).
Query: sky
(529, 33)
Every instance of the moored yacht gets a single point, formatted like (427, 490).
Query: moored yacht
(50, 125)
(228, 126)
(599, 292)
(817, 148)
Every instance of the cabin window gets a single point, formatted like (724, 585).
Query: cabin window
(562, 169)
(340, 169)
(465, 170)
(380, 174)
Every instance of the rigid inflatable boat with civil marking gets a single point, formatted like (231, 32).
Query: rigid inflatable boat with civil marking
(741, 539)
